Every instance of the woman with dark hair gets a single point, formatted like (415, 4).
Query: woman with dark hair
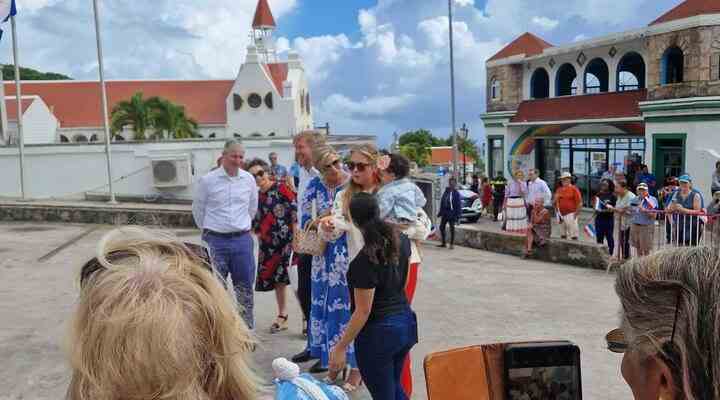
(383, 326)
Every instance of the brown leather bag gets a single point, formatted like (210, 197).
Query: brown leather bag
(469, 373)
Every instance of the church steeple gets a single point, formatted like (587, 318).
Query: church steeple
(262, 30)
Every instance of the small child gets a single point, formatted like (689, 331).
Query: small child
(399, 198)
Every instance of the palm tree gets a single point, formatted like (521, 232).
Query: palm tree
(170, 120)
(134, 113)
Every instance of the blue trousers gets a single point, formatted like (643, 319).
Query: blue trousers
(234, 257)
(380, 350)
(604, 230)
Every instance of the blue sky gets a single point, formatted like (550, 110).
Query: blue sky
(375, 66)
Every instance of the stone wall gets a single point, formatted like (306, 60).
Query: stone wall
(97, 215)
(701, 73)
(511, 93)
(578, 254)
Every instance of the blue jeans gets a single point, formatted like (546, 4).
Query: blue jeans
(234, 256)
(604, 230)
(380, 350)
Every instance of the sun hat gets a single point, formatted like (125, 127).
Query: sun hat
(685, 178)
(565, 175)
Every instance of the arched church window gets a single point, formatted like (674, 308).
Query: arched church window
(269, 100)
(254, 100)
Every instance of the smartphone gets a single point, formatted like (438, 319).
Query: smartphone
(543, 371)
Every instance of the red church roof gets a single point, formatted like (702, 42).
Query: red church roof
(527, 44)
(689, 8)
(78, 104)
(12, 108)
(278, 72)
(263, 16)
(573, 108)
(444, 156)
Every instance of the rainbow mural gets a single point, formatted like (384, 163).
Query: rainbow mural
(522, 149)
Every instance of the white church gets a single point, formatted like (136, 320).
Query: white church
(268, 98)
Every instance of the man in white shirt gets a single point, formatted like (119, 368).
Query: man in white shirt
(304, 143)
(537, 188)
(225, 203)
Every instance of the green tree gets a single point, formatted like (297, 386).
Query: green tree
(416, 152)
(416, 145)
(135, 113)
(29, 74)
(170, 120)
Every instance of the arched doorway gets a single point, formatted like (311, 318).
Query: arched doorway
(566, 81)
(597, 76)
(540, 84)
(631, 72)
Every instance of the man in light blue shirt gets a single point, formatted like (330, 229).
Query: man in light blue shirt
(225, 203)
(279, 172)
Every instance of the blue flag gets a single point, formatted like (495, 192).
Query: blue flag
(7, 10)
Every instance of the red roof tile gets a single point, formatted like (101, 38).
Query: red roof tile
(12, 113)
(78, 104)
(444, 156)
(689, 8)
(527, 44)
(263, 16)
(571, 108)
(278, 72)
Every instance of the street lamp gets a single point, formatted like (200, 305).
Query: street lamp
(465, 132)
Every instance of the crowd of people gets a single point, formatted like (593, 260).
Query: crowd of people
(626, 209)
(157, 317)
(365, 216)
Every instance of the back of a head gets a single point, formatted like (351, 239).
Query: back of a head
(311, 137)
(683, 282)
(399, 165)
(381, 241)
(154, 322)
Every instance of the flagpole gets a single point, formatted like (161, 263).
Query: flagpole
(104, 103)
(452, 92)
(18, 96)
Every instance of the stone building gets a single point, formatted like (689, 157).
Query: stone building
(268, 98)
(647, 96)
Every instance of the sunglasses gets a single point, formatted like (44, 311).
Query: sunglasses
(335, 164)
(259, 174)
(361, 167)
(617, 343)
(94, 265)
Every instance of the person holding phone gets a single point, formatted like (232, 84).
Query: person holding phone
(383, 326)
(642, 230)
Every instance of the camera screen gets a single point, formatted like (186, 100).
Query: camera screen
(559, 382)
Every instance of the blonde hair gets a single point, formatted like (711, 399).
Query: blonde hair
(369, 151)
(678, 283)
(322, 155)
(154, 322)
(311, 137)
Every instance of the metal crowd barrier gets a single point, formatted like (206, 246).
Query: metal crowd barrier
(671, 229)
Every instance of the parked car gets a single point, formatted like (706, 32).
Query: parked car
(471, 205)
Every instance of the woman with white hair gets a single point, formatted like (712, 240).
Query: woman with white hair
(669, 325)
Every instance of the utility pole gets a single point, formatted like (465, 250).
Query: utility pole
(452, 91)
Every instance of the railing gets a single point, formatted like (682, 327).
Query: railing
(670, 229)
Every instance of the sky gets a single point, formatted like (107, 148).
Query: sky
(374, 66)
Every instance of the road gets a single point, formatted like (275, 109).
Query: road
(465, 297)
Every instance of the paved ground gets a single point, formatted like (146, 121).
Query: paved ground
(465, 297)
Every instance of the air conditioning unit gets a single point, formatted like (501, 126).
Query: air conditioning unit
(171, 171)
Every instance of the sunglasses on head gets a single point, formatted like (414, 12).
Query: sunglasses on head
(94, 265)
(361, 167)
(617, 343)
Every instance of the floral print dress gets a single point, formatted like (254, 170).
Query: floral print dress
(274, 222)
(330, 308)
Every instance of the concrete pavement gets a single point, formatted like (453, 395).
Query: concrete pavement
(465, 297)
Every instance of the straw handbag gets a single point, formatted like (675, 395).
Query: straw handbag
(308, 240)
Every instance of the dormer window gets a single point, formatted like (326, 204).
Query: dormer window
(495, 90)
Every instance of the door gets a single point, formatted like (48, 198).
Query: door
(581, 171)
(669, 159)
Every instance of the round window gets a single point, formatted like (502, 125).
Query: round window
(254, 100)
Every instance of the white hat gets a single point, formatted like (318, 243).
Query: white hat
(565, 175)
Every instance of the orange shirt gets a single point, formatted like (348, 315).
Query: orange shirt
(568, 198)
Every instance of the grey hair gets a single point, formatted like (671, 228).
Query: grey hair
(652, 290)
(230, 143)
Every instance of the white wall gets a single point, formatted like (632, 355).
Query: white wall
(39, 124)
(68, 171)
(701, 136)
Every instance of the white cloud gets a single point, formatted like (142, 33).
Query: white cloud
(368, 106)
(34, 5)
(579, 38)
(465, 3)
(545, 23)
(320, 53)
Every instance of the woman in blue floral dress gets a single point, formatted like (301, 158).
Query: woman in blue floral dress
(330, 309)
